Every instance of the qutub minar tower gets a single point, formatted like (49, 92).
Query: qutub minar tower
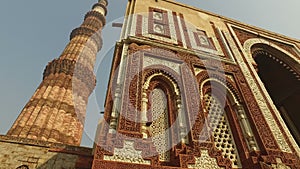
(187, 89)
(51, 114)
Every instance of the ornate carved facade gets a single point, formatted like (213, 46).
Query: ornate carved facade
(48, 131)
(188, 89)
(196, 92)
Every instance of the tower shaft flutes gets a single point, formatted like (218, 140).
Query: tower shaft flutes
(56, 111)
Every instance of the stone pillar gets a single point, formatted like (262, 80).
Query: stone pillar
(247, 131)
(182, 122)
(144, 119)
(56, 111)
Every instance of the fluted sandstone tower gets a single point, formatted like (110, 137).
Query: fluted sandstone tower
(57, 109)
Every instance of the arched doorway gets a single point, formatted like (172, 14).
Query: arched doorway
(278, 73)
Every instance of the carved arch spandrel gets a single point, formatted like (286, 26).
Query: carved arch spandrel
(264, 44)
(249, 47)
(166, 72)
(273, 140)
(228, 83)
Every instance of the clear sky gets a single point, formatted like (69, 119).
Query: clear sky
(34, 32)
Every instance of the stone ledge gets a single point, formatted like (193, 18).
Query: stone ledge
(54, 147)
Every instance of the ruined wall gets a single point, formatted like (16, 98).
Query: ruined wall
(16, 152)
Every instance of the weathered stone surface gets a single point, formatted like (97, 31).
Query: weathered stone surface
(189, 53)
(16, 152)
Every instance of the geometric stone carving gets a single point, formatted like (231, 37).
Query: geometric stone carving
(160, 124)
(274, 127)
(127, 154)
(220, 129)
(158, 28)
(157, 15)
(205, 161)
(280, 165)
(283, 145)
(148, 61)
(203, 40)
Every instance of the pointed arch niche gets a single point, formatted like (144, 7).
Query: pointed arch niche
(280, 76)
(162, 114)
(226, 119)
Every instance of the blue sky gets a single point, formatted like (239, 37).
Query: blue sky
(34, 32)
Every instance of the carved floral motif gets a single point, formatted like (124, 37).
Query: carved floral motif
(127, 154)
(205, 161)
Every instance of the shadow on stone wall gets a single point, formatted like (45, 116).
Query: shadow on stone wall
(19, 153)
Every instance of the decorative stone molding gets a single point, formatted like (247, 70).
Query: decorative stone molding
(92, 34)
(127, 154)
(148, 61)
(70, 67)
(280, 165)
(59, 66)
(173, 82)
(280, 61)
(97, 15)
(281, 142)
(250, 42)
(205, 161)
(102, 6)
(277, 133)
